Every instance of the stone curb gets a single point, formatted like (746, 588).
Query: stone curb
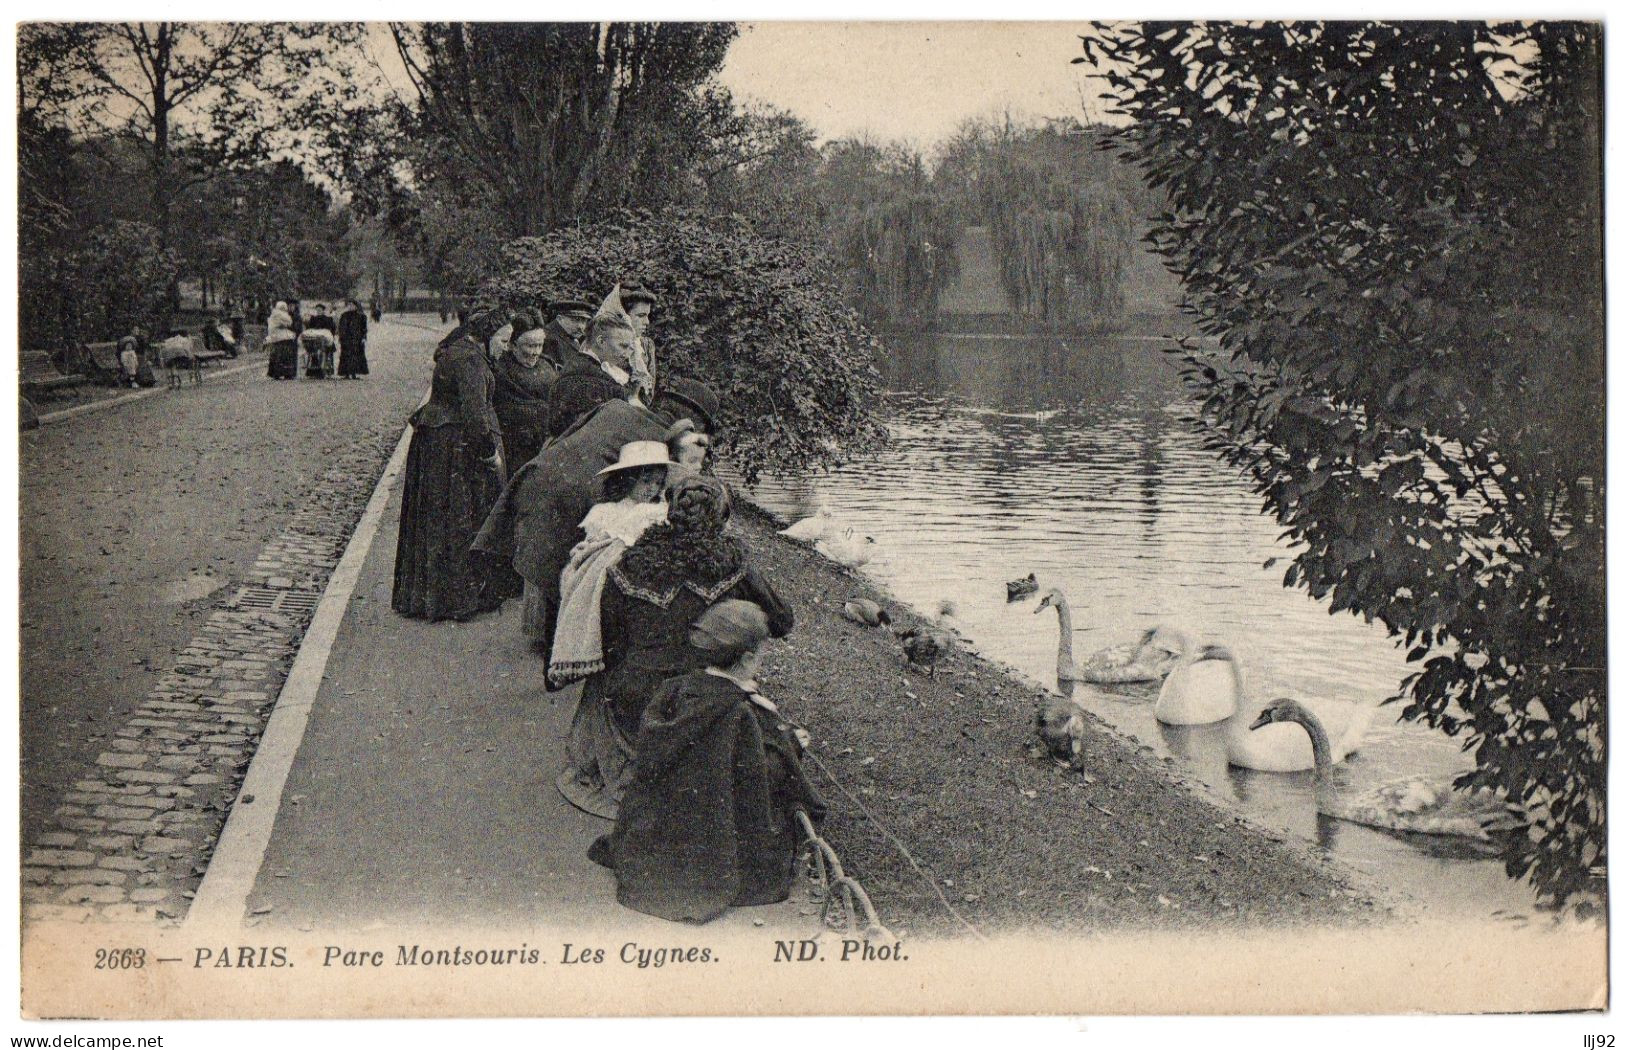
(133, 836)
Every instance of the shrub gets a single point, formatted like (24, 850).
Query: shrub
(759, 319)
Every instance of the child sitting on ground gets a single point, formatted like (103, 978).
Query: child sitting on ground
(708, 821)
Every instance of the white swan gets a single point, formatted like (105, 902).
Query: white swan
(1065, 669)
(1148, 660)
(812, 528)
(1268, 743)
(846, 550)
(1428, 806)
(1203, 687)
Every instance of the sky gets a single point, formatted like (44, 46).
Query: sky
(914, 81)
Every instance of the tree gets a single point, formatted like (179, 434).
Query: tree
(1410, 360)
(550, 121)
(758, 318)
(200, 97)
(1063, 217)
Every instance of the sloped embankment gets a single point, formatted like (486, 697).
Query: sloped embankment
(948, 765)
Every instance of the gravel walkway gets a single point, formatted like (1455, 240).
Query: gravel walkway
(172, 551)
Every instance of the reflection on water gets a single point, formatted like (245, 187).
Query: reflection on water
(1068, 458)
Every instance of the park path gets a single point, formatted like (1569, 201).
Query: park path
(140, 524)
(422, 795)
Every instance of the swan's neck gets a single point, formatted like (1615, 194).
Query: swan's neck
(1063, 655)
(1319, 742)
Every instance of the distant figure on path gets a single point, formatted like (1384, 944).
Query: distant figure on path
(454, 472)
(377, 310)
(134, 368)
(281, 343)
(319, 349)
(352, 341)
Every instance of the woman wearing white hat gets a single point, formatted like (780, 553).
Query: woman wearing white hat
(630, 504)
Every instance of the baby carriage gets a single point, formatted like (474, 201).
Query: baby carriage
(176, 356)
(320, 350)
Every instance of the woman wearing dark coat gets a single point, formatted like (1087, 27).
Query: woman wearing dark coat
(661, 585)
(352, 341)
(454, 472)
(524, 377)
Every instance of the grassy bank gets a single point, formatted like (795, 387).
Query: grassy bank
(951, 767)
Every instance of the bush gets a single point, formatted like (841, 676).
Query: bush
(757, 318)
(1411, 359)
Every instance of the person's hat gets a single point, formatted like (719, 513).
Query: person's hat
(611, 312)
(633, 293)
(695, 395)
(734, 624)
(636, 454)
(555, 307)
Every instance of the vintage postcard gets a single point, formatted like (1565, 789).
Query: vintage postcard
(551, 519)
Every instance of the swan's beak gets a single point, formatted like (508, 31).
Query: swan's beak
(1263, 719)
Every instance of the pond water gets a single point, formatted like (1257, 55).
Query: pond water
(1067, 457)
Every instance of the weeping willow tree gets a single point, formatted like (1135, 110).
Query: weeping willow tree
(1063, 218)
(901, 254)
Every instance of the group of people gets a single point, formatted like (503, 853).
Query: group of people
(288, 335)
(554, 462)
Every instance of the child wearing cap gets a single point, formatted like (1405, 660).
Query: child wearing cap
(708, 820)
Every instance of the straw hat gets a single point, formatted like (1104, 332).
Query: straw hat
(636, 454)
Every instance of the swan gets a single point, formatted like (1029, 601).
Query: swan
(1065, 669)
(1428, 806)
(1015, 590)
(1267, 743)
(866, 612)
(812, 528)
(846, 550)
(1148, 660)
(1205, 686)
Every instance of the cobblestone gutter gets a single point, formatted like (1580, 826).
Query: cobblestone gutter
(132, 839)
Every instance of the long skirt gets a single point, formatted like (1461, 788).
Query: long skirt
(353, 360)
(448, 492)
(284, 359)
(599, 758)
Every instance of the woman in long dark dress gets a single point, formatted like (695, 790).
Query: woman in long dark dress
(454, 473)
(352, 341)
(661, 585)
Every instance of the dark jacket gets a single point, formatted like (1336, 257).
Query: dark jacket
(708, 820)
(460, 396)
(352, 329)
(582, 386)
(521, 402)
(537, 519)
(645, 633)
(323, 321)
(558, 345)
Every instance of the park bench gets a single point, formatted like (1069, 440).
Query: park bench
(99, 361)
(39, 374)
